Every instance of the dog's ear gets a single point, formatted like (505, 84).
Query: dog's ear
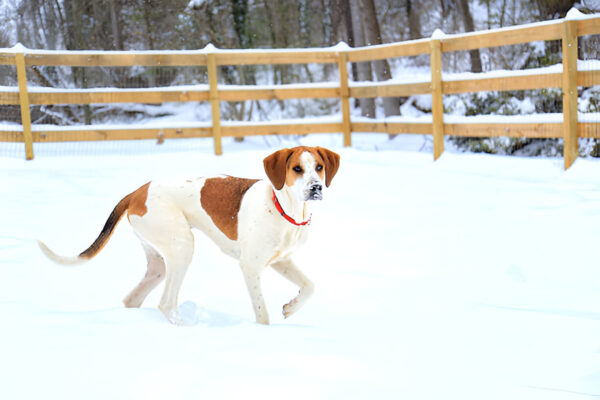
(275, 167)
(332, 163)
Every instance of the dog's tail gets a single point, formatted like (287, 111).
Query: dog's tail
(113, 219)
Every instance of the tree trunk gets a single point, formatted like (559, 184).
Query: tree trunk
(349, 33)
(467, 18)
(552, 9)
(147, 8)
(116, 28)
(367, 105)
(414, 21)
(391, 105)
(239, 10)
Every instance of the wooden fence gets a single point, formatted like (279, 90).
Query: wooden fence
(570, 129)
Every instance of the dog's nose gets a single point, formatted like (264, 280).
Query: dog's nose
(316, 188)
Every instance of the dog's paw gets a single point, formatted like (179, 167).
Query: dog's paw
(290, 308)
(175, 318)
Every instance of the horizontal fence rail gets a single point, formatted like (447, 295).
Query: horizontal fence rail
(439, 84)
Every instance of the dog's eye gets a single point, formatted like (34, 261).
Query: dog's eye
(319, 168)
(297, 169)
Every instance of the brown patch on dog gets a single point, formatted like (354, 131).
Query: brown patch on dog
(276, 167)
(221, 198)
(331, 161)
(137, 201)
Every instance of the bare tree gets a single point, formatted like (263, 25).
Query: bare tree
(550, 9)
(414, 20)
(391, 105)
(115, 9)
(367, 105)
(463, 6)
(347, 12)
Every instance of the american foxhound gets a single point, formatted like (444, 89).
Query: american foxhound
(258, 222)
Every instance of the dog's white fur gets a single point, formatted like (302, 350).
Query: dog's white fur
(264, 237)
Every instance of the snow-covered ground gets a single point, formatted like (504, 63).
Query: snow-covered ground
(472, 277)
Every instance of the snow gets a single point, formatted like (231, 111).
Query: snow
(471, 277)
(549, 118)
(195, 4)
(438, 34)
(574, 14)
(319, 85)
(18, 48)
(410, 115)
(335, 119)
(157, 125)
(407, 75)
(208, 49)
(43, 89)
(421, 75)
(341, 46)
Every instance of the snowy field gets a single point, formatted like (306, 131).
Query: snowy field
(473, 277)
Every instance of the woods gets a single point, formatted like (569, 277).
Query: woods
(185, 24)
(244, 24)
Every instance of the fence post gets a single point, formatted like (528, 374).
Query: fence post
(569, 53)
(214, 102)
(437, 104)
(344, 97)
(24, 103)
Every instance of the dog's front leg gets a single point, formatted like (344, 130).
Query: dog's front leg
(252, 278)
(289, 270)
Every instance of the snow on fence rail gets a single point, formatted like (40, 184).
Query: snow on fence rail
(567, 30)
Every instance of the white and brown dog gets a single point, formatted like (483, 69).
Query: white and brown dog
(258, 222)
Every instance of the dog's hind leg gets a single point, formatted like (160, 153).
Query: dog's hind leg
(154, 275)
(177, 259)
(289, 270)
(167, 230)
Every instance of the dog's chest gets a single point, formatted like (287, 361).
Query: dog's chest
(294, 237)
(289, 240)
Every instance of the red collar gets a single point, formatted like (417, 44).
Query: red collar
(287, 217)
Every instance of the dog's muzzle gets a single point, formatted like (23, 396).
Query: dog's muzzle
(315, 192)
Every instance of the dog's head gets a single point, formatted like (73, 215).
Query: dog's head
(303, 170)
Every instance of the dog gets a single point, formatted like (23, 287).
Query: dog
(257, 221)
